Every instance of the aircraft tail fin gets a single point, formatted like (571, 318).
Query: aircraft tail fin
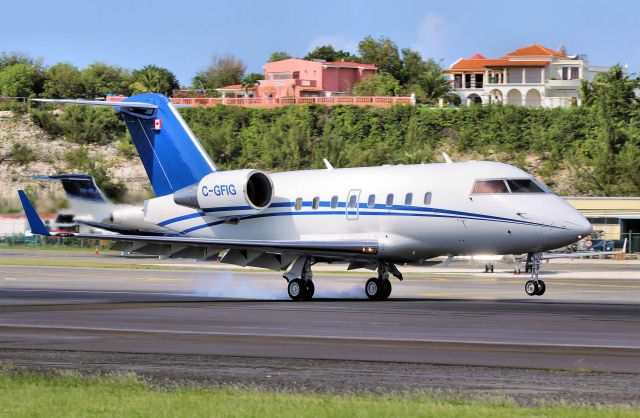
(172, 156)
(35, 223)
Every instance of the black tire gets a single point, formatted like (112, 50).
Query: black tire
(309, 290)
(386, 290)
(531, 288)
(372, 288)
(296, 289)
(541, 288)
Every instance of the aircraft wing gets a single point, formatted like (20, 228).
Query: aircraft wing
(577, 254)
(259, 253)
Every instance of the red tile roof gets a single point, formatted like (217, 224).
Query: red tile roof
(534, 49)
(478, 57)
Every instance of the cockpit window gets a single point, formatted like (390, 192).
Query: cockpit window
(490, 186)
(524, 186)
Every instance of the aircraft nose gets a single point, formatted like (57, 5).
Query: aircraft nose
(579, 225)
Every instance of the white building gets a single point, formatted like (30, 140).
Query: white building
(530, 76)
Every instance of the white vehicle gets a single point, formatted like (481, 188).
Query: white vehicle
(89, 206)
(370, 217)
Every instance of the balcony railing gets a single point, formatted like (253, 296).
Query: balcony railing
(377, 101)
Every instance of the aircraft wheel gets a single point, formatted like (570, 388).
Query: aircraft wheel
(386, 289)
(373, 288)
(541, 288)
(296, 289)
(531, 288)
(309, 290)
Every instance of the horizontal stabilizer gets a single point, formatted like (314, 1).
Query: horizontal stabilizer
(137, 105)
(35, 223)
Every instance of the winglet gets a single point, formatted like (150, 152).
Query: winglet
(35, 223)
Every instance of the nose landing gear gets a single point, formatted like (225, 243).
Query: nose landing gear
(535, 286)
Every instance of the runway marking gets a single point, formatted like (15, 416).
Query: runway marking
(10, 279)
(561, 292)
(160, 279)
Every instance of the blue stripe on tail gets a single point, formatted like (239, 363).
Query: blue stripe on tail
(172, 156)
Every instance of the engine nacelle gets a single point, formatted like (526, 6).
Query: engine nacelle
(228, 194)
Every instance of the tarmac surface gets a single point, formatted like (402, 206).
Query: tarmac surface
(446, 329)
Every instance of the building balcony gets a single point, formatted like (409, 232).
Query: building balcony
(306, 83)
(564, 84)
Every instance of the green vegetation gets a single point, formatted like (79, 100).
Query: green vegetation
(71, 395)
(278, 56)
(97, 167)
(22, 154)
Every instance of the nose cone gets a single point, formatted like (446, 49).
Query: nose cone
(578, 225)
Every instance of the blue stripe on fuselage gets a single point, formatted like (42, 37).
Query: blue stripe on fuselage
(432, 213)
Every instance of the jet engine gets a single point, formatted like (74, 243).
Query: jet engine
(228, 194)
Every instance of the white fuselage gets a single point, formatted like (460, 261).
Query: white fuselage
(452, 221)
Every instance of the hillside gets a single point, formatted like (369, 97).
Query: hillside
(48, 157)
(575, 151)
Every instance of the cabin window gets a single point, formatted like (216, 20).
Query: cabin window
(427, 198)
(524, 186)
(390, 200)
(408, 199)
(490, 187)
(299, 203)
(353, 201)
(334, 202)
(372, 201)
(316, 203)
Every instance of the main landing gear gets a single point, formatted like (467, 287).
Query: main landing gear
(379, 288)
(535, 286)
(300, 277)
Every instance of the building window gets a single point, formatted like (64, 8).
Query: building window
(285, 75)
(316, 203)
(575, 73)
(427, 198)
(390, 200)
(565, 73)
(408, 199)
(296, 75)
(334, 202)
(299, 203)
(457, 81)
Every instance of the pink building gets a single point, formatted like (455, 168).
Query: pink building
(294, 78)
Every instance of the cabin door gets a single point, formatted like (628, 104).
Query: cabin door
(352, 204)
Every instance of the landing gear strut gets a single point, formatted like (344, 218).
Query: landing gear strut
(535, 286)
(379, 288)
(300, 285)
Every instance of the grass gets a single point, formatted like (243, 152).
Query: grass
(71, 395)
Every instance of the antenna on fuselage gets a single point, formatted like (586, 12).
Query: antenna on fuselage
(327, 164)
(446, 157)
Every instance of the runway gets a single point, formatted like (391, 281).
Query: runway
(461, 319)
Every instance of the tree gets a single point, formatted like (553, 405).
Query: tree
(250, 80)
(155, 79)
(279, 56)
(62, 81)
(380, 84)
(383, 53)
(20, 80)
(223, 71)
(329, 54)
(432, 84)
(100, 79)
(7, 59)
(413, 67)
